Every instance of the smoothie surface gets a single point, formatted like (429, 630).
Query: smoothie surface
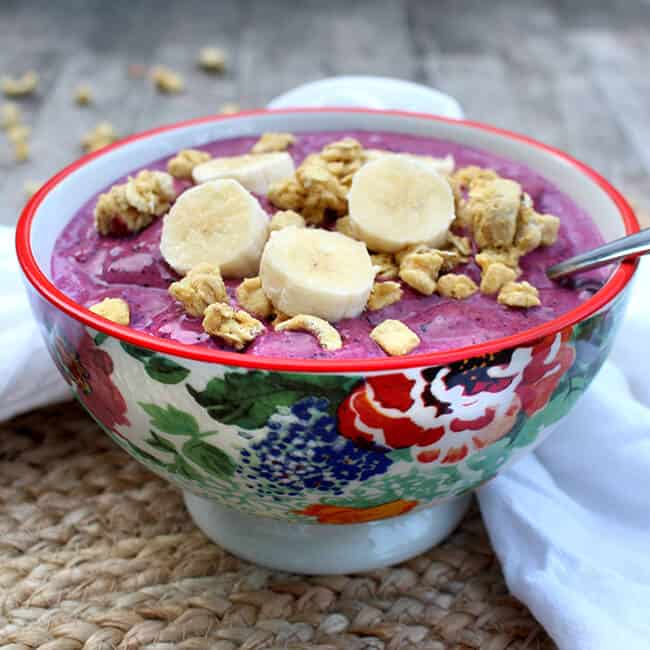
(89, 267)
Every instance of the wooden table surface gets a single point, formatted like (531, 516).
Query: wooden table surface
(570, 72)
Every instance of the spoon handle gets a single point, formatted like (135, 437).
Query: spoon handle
(629, 246)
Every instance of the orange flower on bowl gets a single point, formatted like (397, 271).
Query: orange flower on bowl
(331, 514)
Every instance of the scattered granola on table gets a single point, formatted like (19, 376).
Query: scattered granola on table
(10, 115)
(229, 108)
(98, 137)
(212, 59)
(21, 86)
(83, 95)
(166, 80)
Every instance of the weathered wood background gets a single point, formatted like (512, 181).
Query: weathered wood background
(570, 72)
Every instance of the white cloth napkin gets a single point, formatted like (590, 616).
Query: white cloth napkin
(29, 378)
(570, 523)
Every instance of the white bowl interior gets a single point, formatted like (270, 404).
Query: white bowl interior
(68, 196)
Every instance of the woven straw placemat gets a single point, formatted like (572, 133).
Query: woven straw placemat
(97, 553)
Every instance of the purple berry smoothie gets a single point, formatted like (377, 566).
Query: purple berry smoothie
(89, 267)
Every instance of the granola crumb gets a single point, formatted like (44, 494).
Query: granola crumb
(18, 133)
(252, 298)
(229, 108)
(212, 59)
(10, 116)
(384, 265)
(462, 244)
(284, 219)
(19, 86)
(345, 226)
(509, 257)
(327, 335)
(269, 142)
(83, 95)
(519, 294)
(166, 80)
(495, 276)
(457, 286)
(21, 150)
(384, 294)
(200, 288)
(236, 327)
(113, 309)
(395, 338)
(151, 192)
(31, 187)
(184, 162)
(420, 269)
(98, 137)
(279, 317)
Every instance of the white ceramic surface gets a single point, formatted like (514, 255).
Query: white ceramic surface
(326, 549)
(370, 92)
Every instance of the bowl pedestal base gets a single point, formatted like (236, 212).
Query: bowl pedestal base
(325, 549)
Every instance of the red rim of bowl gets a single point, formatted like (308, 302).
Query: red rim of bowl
(49, 291)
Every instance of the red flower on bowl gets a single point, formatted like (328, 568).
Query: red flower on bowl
(551, 359)
(89, 368)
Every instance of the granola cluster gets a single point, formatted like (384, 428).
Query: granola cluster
(384, 294)
(270, 142)
(505, 226)
(183, 163)
(320, 185)
(113, 309)
(252, 298)
(234, 326)
(327, 335)
(394, 337)
(132, 206)
(200, 288)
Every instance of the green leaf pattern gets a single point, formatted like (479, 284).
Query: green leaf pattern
(245, 403)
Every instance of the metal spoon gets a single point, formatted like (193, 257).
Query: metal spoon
(630, 246)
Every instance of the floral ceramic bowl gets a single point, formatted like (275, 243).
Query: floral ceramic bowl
(320, 466)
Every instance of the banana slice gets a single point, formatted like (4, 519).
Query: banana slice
(395, 202)
(256, 172)
(441, 165)
(316, 272)
(218, 222)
